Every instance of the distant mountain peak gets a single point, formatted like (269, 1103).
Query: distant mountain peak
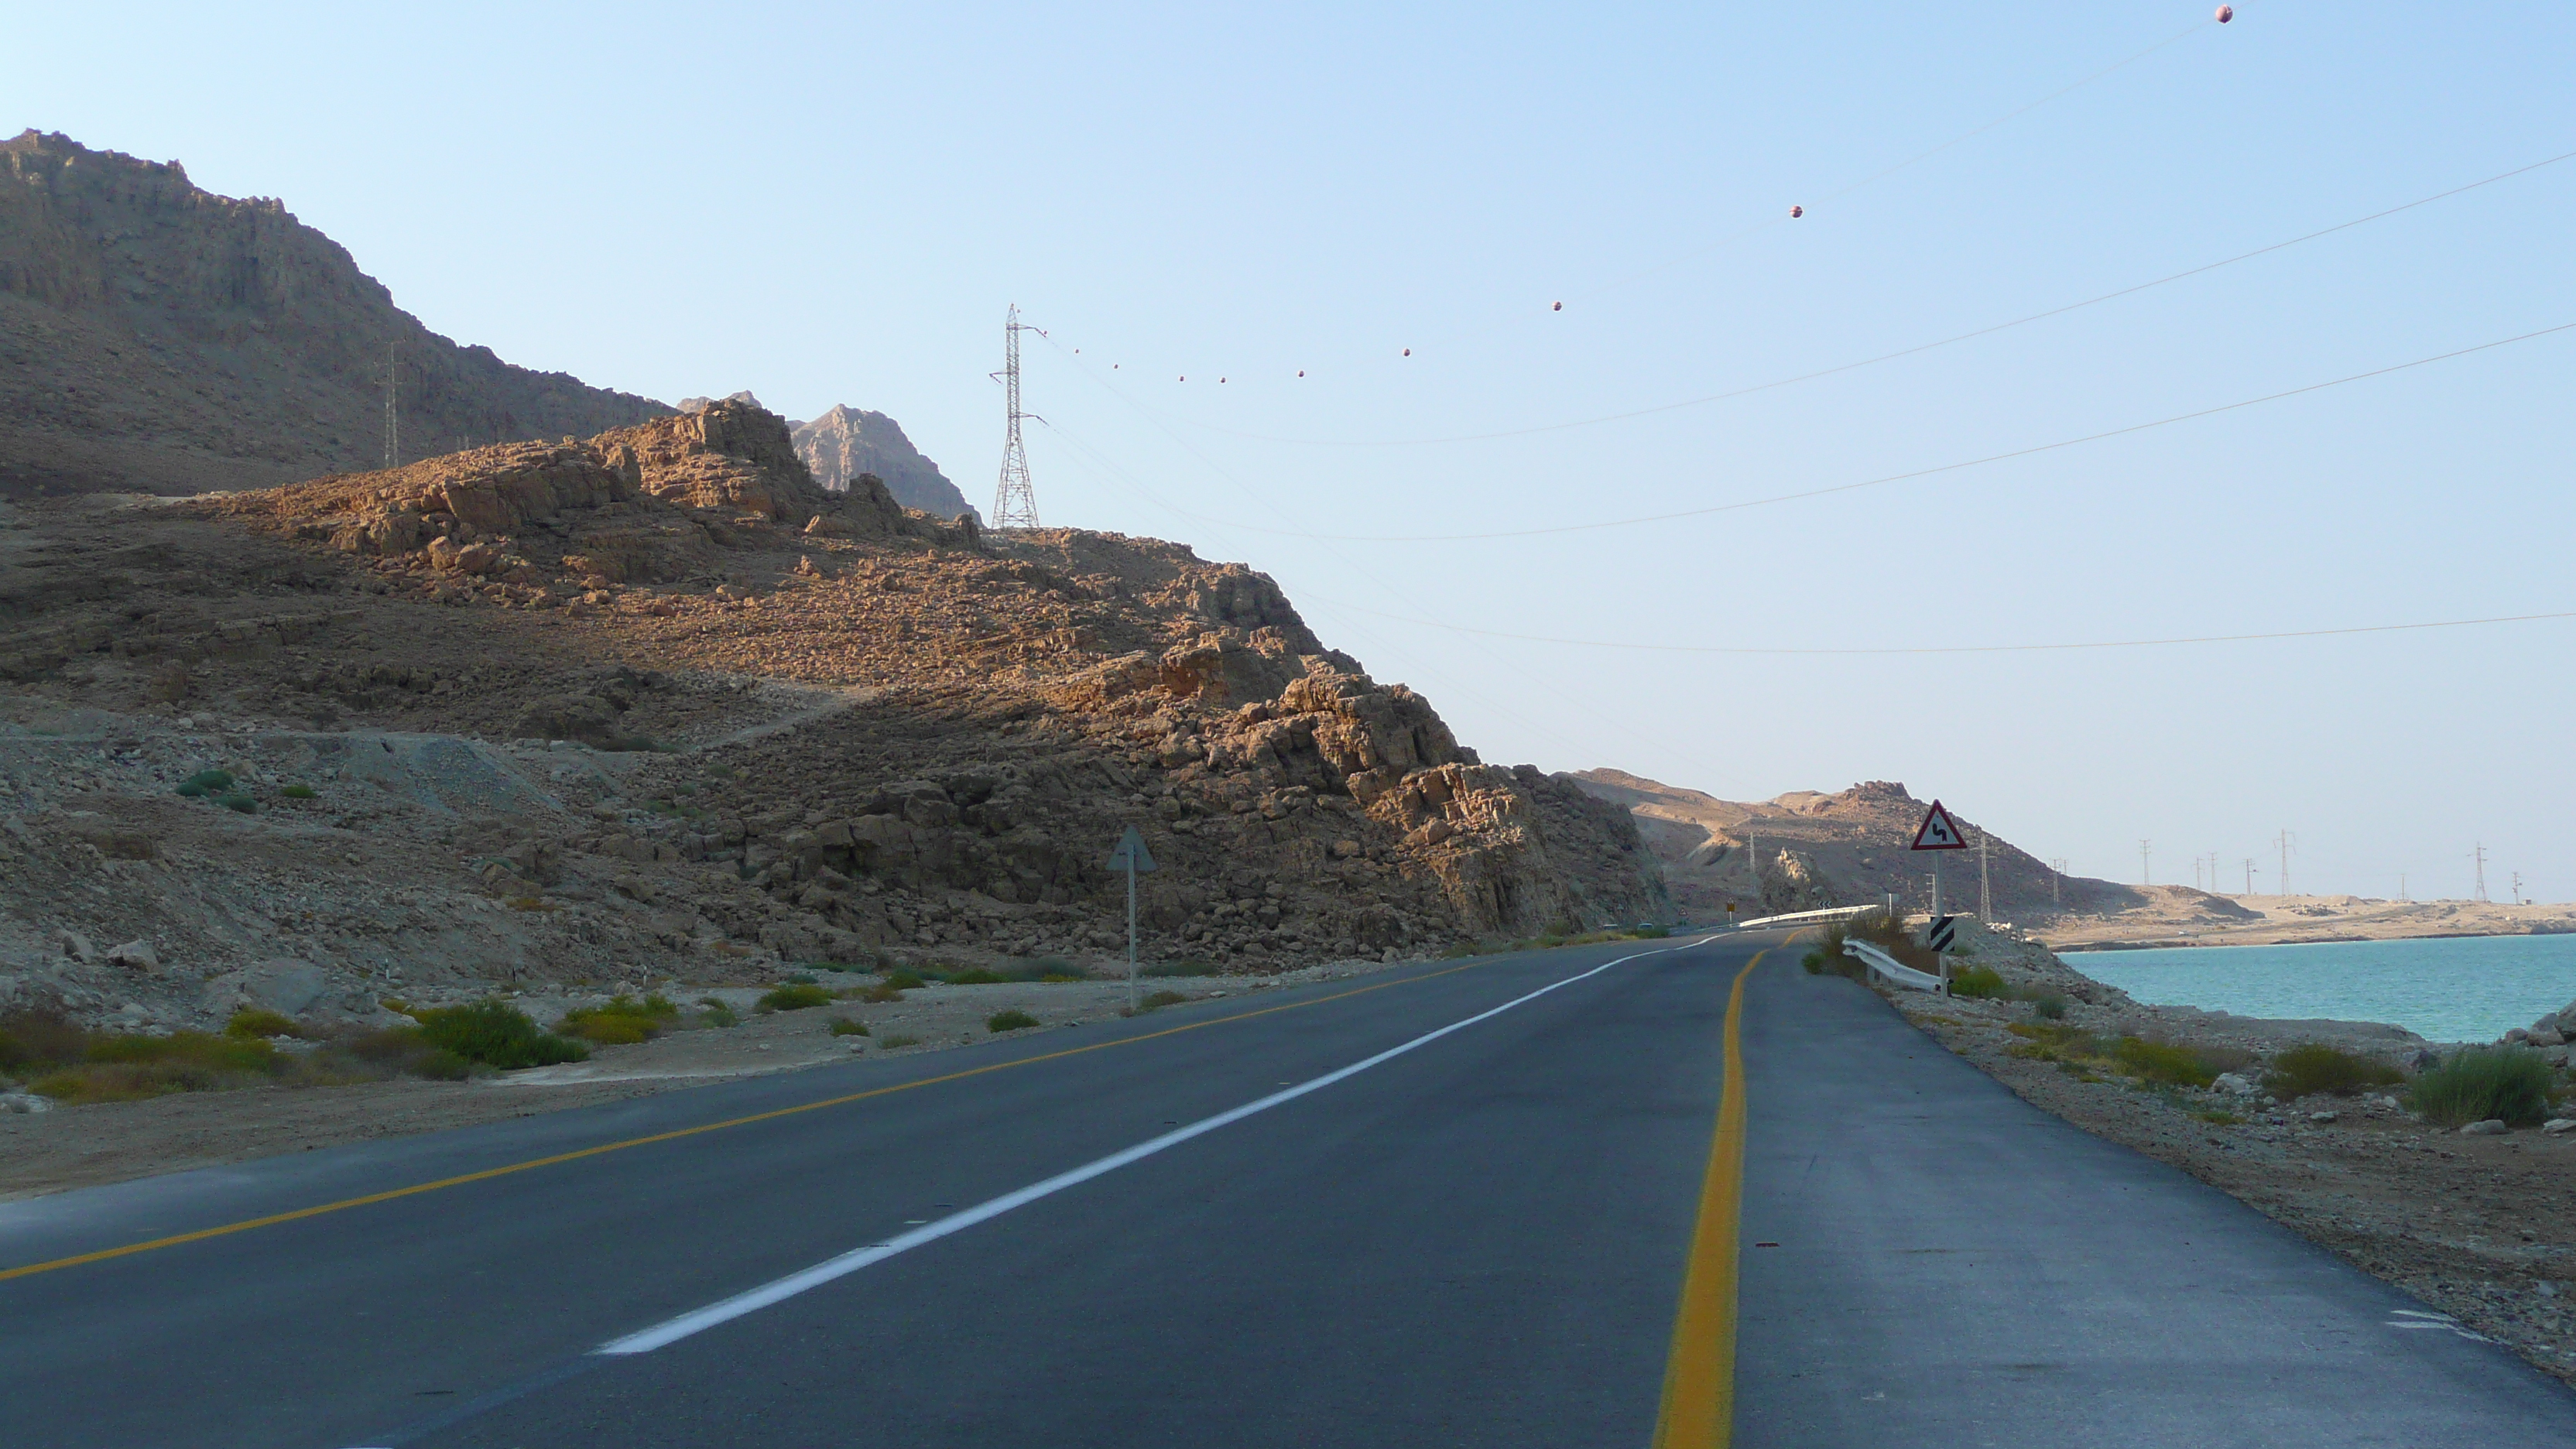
(845, 442)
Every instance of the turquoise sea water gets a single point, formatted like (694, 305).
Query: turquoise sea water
(2467, 989)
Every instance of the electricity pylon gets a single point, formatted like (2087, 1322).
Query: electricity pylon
(1015, 503)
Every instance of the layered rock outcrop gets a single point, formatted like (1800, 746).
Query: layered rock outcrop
(650, 503)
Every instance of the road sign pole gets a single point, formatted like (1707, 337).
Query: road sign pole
(1936, 887)
(1131, 936)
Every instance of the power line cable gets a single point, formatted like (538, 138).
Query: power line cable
(1802, 494)
(1899, 354)
(1966, 648)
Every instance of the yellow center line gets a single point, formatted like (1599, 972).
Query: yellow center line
(1698, 1409)
(344, 1204)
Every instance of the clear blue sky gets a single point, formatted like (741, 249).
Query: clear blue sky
(834, 203)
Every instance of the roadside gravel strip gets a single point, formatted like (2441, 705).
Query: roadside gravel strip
(788, 1287)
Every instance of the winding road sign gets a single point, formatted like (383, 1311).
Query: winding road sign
(1939, 831)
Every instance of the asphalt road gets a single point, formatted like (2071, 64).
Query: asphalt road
(1204, 1227)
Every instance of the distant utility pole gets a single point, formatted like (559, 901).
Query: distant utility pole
(2285, 840)
(393, 429)
(2401, 887)
(2249, 875)
(2517, 889)
(1015, 502)
(2480, 855)
(2146, 876)
(2056, 873)
(1985, 883)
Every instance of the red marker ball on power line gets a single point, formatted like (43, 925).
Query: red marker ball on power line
(1559, 307)
(1301, 372)
(1408, 352)
(1797, 211)
(2226, 13)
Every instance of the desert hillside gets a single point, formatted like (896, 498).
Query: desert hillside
(1848, 848)
(658, 706)
(157, 338)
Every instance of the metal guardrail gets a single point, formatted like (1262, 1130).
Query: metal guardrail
(1893, 971)
(1829, 913)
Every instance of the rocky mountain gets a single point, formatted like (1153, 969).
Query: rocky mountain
(846, 442)
(1849, 848)
(155, 337)
(656, 706)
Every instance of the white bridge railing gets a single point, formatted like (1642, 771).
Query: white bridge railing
(1892, 971)
(1830, 913)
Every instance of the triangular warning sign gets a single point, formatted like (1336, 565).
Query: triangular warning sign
(1939, 831)
(1130, 853)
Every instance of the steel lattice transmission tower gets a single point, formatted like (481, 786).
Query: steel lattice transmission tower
(1015, 503)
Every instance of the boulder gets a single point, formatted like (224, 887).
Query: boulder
(136, 955)
(2492, 1127)
(286, 986)
(2235, 1084)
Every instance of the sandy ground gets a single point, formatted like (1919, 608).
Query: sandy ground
(85, 1146)
(2187, 918)
(2482, 1228)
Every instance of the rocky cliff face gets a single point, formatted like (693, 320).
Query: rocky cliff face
(657, 705)
(847, 442)
(155, 337)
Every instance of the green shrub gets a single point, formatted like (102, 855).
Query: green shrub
(117, 1068)
(2316, 1067)
(2158, 1061)
(2513, 1083)
(252, 1021)
(1001, 1021)
(237, 800)
(1165, 969)
(1156, 1001)
(882, 992)
(844, 1026)
(403, 1049)
(621, 1020)
(794, 996)
(298, 792)
(496, 1034)
(716, 1013)
(206, 782)
(1056, 968)
(974, 976)
(898, 1040)
(196, 1048)
(2048, 1006)
(902, 980)
(1978, 982)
